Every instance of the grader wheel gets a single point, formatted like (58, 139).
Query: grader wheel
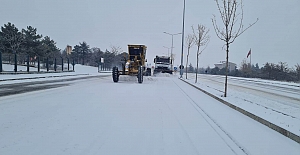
(115, 74)
(140, 74)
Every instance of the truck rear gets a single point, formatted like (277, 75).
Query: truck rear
(163, 64)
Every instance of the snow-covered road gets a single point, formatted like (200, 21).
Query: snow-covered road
(161, 116)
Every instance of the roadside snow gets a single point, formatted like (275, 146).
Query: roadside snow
(80, 71)
(282, 112)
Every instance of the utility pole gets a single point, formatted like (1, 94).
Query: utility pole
(172, 47)
(168, 49)
(181, 65)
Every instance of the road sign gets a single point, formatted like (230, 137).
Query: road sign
(175, 68)
(181, 67)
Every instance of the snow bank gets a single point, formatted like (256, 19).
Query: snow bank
(281, 112)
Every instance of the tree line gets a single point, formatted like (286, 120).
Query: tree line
(270, 71)
(29, 42)
(26, 41)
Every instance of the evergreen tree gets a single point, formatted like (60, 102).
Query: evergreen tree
(84, 50)
(76, 54)
(298, 71)
(32, 41)
(49, 48)
(191, 68)
(96, 56)
(266, 70)
(208, 69)
(11, 38)
(215, 71)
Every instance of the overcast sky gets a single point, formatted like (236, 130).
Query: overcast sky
(106, 23)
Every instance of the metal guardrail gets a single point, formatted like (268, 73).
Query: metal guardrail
(46, 63)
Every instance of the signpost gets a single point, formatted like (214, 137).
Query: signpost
(100, 65)
(181, 67)
(175, 69)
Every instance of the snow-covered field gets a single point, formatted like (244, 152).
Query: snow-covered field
(10, 68)
(161, 116)
(80, 71)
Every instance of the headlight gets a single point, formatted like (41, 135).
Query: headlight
(126, 66)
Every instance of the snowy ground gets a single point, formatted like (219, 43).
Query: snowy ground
(80, 71)
(161, 116)
(276, 102)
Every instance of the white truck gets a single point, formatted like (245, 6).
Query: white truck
(163, 64)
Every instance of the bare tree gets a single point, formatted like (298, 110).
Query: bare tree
(201, 39)
(233, 22)
(117, 60)
(245, 67)
(116, 49)
(190, 41)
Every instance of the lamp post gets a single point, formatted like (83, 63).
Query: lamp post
(181, 68)
(0, 61)
(167, 48)
(16, 66)
(172, 47)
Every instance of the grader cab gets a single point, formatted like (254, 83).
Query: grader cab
(134, 65)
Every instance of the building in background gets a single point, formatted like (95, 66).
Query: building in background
(69, 49)
(222, 64)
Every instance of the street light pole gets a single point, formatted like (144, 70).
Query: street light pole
(172, 47)
(167, 48)
(181, 69)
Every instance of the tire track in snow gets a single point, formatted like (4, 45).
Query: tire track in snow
(210, 120)
(181, 126)
(174, 116)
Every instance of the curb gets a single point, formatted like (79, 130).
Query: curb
(33, 72)
(40, 77)
(279, 129)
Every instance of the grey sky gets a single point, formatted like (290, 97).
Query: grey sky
(106, 23)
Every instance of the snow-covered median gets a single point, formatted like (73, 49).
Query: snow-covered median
(267, 106)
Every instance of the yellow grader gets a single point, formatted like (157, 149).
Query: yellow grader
(135, 64)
